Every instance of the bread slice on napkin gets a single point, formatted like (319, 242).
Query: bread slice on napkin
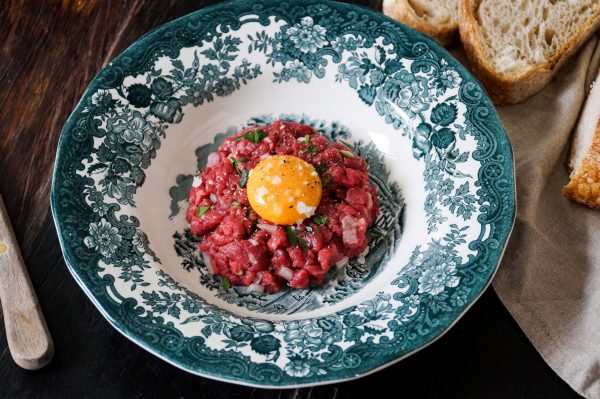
(584, 161)
(516, 46)
(435, 18)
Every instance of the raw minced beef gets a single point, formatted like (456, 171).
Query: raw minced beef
(238, 244)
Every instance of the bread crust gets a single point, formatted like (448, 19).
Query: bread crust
(402, 11)
(584, 186)
(512, 89)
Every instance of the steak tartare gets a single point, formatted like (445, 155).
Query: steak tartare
(245, 248)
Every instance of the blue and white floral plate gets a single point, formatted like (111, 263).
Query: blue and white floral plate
(437, 152)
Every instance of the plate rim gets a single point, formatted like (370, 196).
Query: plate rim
(132, 336)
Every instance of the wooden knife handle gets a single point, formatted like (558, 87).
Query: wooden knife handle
(28, 338)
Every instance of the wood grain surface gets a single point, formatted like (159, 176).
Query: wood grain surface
(28, 339)
(50, 51)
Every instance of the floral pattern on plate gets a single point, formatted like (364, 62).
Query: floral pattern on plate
(437, 109)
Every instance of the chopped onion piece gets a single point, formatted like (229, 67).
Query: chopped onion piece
(286, 273)
(267, 227)
(208, 263)
(349, 236)
(305, 210)
(212, 160)
(350, 229)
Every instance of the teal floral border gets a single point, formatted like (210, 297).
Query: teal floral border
(423, 314)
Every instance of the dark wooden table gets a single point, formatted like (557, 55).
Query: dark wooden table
(50, 51)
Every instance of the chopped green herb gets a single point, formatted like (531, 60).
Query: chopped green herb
(321, 168)
(325, 181)
(202, 210)
(234, 164)
(254, 137)
(305, 139)
(226, 283)
(346, 154)
(313, 284)
(291, 234)
(303, 243)
(319, 219)
(244, 178)
(258, 136)
(236, 203)
(313, 149)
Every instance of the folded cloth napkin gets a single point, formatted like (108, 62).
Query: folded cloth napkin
(549, 278)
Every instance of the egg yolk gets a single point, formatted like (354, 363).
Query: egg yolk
(284, 189)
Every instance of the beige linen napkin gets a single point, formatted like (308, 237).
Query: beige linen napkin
(549, 278)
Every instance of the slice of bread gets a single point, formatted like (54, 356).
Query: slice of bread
(584, 161)
(516, 46)
(435, 18)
